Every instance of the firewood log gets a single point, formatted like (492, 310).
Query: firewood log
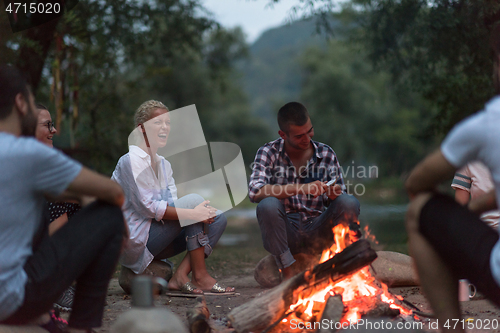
(198, 317)
(333, 311)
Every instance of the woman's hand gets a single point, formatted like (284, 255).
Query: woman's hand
(204, 212)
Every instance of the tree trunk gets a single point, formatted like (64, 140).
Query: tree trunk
(32, 59)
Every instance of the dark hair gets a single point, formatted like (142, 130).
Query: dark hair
(292, 113)
(12, 82)
(40, 106)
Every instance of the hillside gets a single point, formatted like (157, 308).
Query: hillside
(272, 74)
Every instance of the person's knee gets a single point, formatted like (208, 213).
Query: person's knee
(348, 203)
(413, 213)
(220, 220)
(270, 205)
(109, 217)
(195, 198)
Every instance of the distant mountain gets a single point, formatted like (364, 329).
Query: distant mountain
(272, 74)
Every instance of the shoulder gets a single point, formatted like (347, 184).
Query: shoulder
(324, 151)
(270, 150)
(24, 146)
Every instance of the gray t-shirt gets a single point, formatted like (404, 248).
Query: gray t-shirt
(28, 170)
(478, 138)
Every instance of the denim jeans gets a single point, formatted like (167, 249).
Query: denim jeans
(169, 238)
(85, 249)
(285, 234)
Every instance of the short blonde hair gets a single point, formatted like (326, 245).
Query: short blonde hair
(143, 112)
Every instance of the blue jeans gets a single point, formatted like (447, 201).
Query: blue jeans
(169, 239)
(285, 234)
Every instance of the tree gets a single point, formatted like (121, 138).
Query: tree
(107, 57)
(439, 48)
(360, 112)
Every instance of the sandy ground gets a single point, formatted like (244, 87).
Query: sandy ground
(482, 311)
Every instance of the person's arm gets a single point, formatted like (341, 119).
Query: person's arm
(462, 196)
(202, 213)
(429, 173)
(484, 203)
(57, 223)
(259, 187)
(92, 184)
(314, 189)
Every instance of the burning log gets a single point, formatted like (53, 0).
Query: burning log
(198, 317)
(332, 312)
(262, 311)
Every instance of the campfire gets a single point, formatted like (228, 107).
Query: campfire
(340, 289)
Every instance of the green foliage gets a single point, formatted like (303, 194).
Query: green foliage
(359, 112)
(440, 47)
(127, 52)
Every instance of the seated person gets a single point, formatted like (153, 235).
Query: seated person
(471, 182)
(86, 249)
(152, 209)
(297, 210)
(58, 212)
(449, 241)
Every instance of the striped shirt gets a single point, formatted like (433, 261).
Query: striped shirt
(273, 166)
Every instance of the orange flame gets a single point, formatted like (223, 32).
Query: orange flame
(359, 287)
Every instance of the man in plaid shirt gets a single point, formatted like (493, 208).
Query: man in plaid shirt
(297, 209)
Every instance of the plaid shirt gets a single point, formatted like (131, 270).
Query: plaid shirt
(273, 166)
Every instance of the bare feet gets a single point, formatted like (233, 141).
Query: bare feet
(206, 282)
(177, 281)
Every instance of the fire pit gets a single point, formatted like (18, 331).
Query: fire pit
(340, 290)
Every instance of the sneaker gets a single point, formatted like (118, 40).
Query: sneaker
(56, 323)
(65, 302)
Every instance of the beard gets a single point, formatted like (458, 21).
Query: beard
(29, 122)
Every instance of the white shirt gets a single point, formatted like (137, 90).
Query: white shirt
(478, 138)
(147, 198)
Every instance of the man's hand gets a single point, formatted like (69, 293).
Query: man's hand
(484, 203)
(313, 189)
(333, 191)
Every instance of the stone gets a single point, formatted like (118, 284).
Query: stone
(21, 329)
(394, 269)
(268, 275)
(148, 320)
(156, 268)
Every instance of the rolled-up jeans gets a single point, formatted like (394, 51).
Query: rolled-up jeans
(168, 238)
(285, 234)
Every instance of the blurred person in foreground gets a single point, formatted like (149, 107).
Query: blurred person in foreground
(85, 249)
(471, 182)
(449, 241)
(297, 209)
(153, 211)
